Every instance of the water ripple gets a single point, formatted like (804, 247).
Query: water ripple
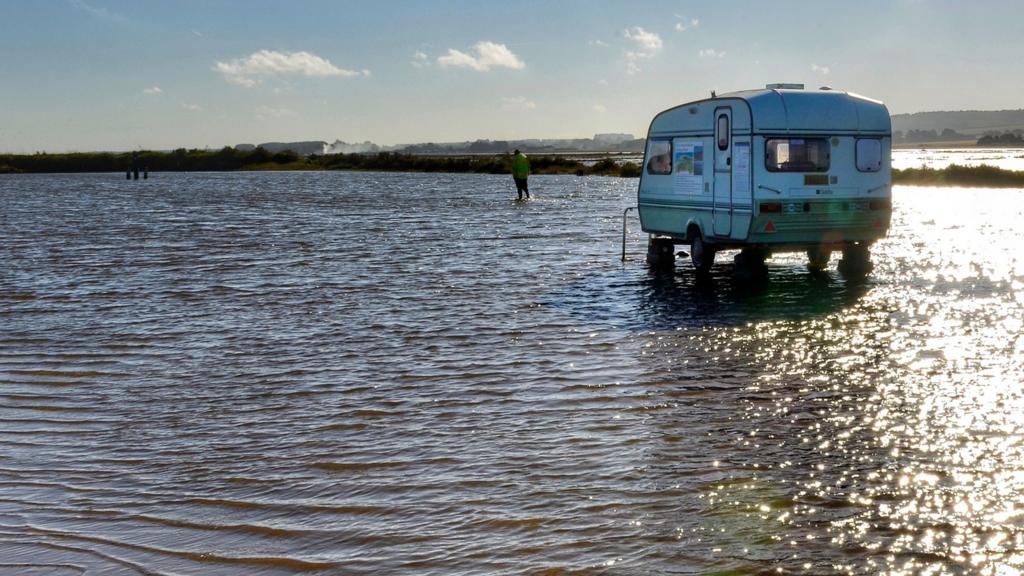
(389, 373)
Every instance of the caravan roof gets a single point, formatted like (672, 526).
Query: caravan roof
(814, 110)
(804, 111)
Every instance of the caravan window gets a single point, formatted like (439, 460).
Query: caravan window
(659, 154)
(797, 155)
(869, 154)
(723, 132)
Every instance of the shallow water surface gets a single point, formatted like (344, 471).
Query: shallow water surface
(938, 158)
(348, 373)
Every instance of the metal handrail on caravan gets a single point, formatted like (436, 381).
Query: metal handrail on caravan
(775, 170)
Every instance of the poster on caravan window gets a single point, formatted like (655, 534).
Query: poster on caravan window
(687, 167)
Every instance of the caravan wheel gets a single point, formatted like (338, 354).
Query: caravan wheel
(702, 255)
(856, 260)
(749, 265)
(817, 258)
(660, 252)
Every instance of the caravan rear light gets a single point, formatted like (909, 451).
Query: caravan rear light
(881, 205)
(771, 207)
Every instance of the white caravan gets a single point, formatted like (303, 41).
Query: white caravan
(776, 170)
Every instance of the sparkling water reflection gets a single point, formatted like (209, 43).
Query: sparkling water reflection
(380, 373)
(1007, 159)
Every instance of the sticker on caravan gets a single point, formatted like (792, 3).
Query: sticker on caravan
(688, 167)
(741, 168)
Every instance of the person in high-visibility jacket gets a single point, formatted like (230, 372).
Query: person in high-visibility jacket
(520, 172)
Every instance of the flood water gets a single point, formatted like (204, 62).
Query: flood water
(346, 373)
(938, 158)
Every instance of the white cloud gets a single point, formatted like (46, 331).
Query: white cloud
(98, 13)
(420, 60)
(264, 112)
(645, 45)
(265, 63)
(241, 80)
(683, 24)
(824, 70)
(517, 103)
(152, 91)
(600, 43)
(600, 108)
(191, 107)
(487, 55)
(711, 53)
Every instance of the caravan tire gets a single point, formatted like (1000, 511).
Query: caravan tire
(749, 265)
(701, 254)
(660, 252)
(817, 258)
(856, 260)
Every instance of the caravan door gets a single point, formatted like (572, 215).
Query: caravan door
(722, 195)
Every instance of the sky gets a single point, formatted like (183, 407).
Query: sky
(80, 75)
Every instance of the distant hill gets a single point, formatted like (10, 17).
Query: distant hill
(971, 123)
(962, 126)
(609, 142)
(599, 143)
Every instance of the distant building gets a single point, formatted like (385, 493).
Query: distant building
(608, 142)
(340, 147)
(613, 138)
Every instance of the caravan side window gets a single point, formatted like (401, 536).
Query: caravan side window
(723, 132)
(869, 154)
(797, 155)
(659, 154)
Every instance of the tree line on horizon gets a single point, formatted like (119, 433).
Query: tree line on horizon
(989, 138)
(1015, 138)
(180, 160)
(231, 159)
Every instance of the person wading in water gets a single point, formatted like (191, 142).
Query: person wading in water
(520, 172)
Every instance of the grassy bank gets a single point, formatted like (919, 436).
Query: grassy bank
(956, 175)
(229, 159)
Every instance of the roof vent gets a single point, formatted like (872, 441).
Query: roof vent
(784, 86)
(825, 88)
